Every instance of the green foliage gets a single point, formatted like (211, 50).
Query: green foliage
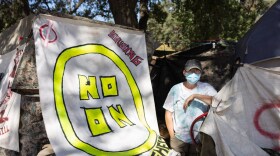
(12, 10)
(194, 21)
(165, 28)
(159, 14)
(176, 22)
(88, 8)
(9, 13)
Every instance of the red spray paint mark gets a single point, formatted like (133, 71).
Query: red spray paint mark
(258, 113)
(276, 148)
(52, 33)
(20, 38)
(3, 119)
(257, 125)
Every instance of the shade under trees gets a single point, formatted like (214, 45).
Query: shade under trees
(181, 24)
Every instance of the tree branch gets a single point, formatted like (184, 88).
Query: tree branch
(77, 6)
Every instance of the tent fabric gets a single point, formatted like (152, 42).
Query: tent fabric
(9, 101)
(273, 64)
(16, 35)
(244, 116)
(95, 89)
(261, 42)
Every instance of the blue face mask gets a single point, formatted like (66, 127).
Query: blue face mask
(192, 78)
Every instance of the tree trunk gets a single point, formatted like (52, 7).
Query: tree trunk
(144, 14)
(124, 12)
(25, 7)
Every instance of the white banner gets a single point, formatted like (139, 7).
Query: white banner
(9, 101)
(95, 88)
(245, 113)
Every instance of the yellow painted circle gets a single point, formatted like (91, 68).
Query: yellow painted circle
(64, 120)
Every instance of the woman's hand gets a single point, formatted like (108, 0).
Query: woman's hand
(204, 98)
(188, 101)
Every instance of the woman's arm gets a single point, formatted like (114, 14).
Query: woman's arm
(205, 98)
(169, 123)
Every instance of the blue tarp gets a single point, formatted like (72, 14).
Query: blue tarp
(262, 41)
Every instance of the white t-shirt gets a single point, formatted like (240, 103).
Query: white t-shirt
(182, 120)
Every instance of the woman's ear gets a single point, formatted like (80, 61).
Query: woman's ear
(184, 72)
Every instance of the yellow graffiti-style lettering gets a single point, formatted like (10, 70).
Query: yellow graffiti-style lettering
(119, 116)
(96, 121)
(88, 86)
(109, 86)
(61, 109)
